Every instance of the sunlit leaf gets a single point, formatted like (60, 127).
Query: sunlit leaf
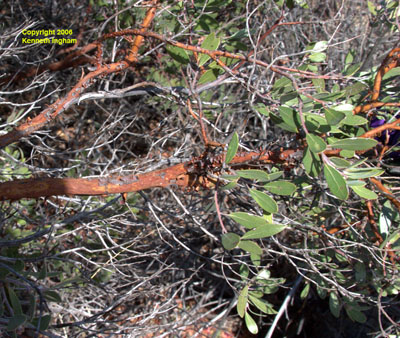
(264, 201)
(364, 193)
(211, 42)
(360, 173)
(178, 54)
(250, 247)
(262, 305)
(242, 301)
(247, 220)
(333, 117)
(334, 304)
(208, 76)
(355, 143)
(250, 323)
(230, 240)
(283, 188)
(263, 231)
(259, 175)
(336, 183)
(315, 143)
(232, 148)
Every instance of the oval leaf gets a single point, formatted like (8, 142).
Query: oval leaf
(208, 76)
(16, 321)
(360, 173)
(334, 304)
(263, 231)
(315, 143)
(211, 42)
(264, 201)
(262, 305)
(364, 192)
(178, 54)
(333, 117)
(283, 188)
(259, 175)
(250, 323)
(355, 143)
(230, 240)
(336, 183)
(251, 247)
(242, 301)
(232, 148)
(247, 220)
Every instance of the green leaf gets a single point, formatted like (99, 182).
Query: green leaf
(230, 240)
(334, 304)
(333, 117)
(261, 108)
(340, 162)
(15, 303)
(178, 54)
(211, 42)
(311, 162)
(364, 193)
(250, 323)
(354, 120)
(242, 301)
(16, 321)
(259, 175)
(263, 231)
(355, 315)
(355, 143)
(52, 296)
(289, 116)
(305, 291)
(261, 304)
(360, 173)
(251, 247)
(336, 183)
(247, 220)
(232, 148)
(317, 57)
(283, 188)
(44, 322)
(361, 273)
(315, 143)
(264, 201)
(208, 76)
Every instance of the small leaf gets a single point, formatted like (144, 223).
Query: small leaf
(316, 143)
(209, 75)
(264, 201)
(230, 240)
(283, 188)
(355, 315)
(211, 42)
(250, 247)
(232, 148)
(247, 220)
(364, 193)
(311, 162)
(354, 120)
(360, 173)
(52, 296)
(334, 304)
(44, 322)
(340, 162)
(16, 321)
(178, 54)
(242, 301)
(263, 231)
(305, 291)
(336, 183)
(262, 305)
(15, 303)
(317, 57)
(259, 175)
(250, 323)
(355, 143)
